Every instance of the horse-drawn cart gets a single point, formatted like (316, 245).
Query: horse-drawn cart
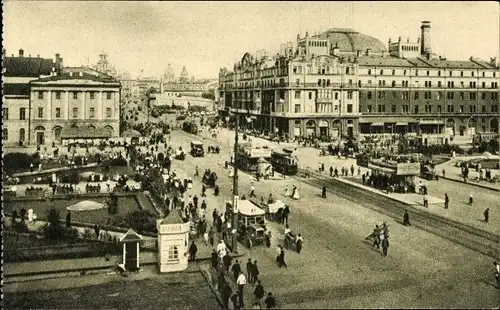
(209, 179)
(274, 211)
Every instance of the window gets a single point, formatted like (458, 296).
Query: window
(483, 109)
(439, 73)
(416, 72)
(297, 108)
(494, 108)
(494, 74)
(369, 108)
(75, 95)
(40, 95)
(404, 72)
(406, 108)
(450, 95)
(472, 96)
(381, 108)
(328, 82)
(393, 108)
(451, 73)
(40, 112)
(5, 113)
(92, 95)
(91, 113)
(349, 94)
(462, 108)
(58, 95)
(484, 74)
(450, 109)
(108, 112)
(359, 83)
(483, 96)
(425, 83)
(439, 95)
(369, 71)
(22, 134)
(297, 94)
(472, 73)
(416, 95)
(310, 95)
(294, 69)
(393, 95)
(5, 134)
(415, 109)
(393, 72)
(349, 108)
(22, 113)
(439, 84)
(347, 70)
(428, 73)
(336, 96)
(319, 82)
(472, 109)
(173, 253)
(393, 84)
(461, 73)
(461, 95)
(381, 72)
(439, 109)
(75, 112)
(369, 95)
(494, 96)
(58, 112)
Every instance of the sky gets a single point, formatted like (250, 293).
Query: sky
(142, 38)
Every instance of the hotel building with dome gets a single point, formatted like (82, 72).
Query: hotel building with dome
(341, 82)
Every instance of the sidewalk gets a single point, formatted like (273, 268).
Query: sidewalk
(455, 174)
(462, 213)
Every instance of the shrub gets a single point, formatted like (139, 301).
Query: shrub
(72, 177)
(112, 203)
(78, 160)
(13, 162)
(119, 162)
(141, 220)
(53, 229)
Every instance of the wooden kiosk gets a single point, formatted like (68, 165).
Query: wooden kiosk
(131, 252)
(173, 239)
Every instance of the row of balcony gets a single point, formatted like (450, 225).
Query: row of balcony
(354, 86)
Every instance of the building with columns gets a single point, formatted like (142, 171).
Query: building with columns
(72, 104)
(342, 82)
(18, 72)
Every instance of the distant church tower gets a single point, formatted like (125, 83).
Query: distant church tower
(169, 75)
(104, 66)
(184, 75)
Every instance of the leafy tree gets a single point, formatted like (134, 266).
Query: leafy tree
(54, 230)
(112, 203)
(141, 220)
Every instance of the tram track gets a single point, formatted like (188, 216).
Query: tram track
(464, 235)
(467, 236)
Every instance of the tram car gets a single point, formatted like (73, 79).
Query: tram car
(284, 161)
(248, 159)
(190, 127)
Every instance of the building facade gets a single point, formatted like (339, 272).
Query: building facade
(18, 72)
(75, 100)
(343, 82)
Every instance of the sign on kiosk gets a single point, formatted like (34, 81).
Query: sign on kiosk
(408, 169)
(235, 204)
(258, 153)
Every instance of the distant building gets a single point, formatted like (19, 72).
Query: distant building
(342, 82)
(18, 72)
(169, 75)
(104, 66)
(184, 75)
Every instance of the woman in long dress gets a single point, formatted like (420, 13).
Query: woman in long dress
(287, 192)
(296, 195)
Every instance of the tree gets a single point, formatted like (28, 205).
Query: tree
(140, 220)
(54, 230)
(112, 203)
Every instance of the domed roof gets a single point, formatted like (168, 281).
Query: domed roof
(349, 40)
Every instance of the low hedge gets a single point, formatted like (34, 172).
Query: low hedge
(14, 162)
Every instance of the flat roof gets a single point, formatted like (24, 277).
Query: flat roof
(248, 208)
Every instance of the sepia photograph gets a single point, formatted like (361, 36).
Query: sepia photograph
(250, 154)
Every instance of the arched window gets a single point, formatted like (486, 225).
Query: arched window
(22, 134)
(5, 134)
(173, 253)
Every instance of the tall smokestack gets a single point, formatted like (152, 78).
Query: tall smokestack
(425, 35)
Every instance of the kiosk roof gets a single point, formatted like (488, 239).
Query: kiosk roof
(247, 208)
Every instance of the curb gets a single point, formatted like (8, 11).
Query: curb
(470, 183)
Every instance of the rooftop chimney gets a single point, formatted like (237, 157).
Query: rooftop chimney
(425, 35)
(359, 52)
(336, 49)
(368, 52)
(21, 53)
(38, 56)
(493, 61)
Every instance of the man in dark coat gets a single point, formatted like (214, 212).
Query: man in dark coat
(486, 215)
(255, 272)
(214, 259)
(227, 259)
(323, 192)
(258, 293)
(192, 251)
(286, 212)
(226, 295)
(203, 204)
(385, 245)
(270, 301)
(195, 201)
(68, 219)
(406, 218)
(331, 171)
(249, 270)
(236, 270)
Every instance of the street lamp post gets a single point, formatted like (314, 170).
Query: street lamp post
(234, 246)
(227, 129)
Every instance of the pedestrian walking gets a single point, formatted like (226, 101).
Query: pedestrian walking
(270, 301)
(192, 252)
(211, 234)
(444, 172)
(214, 259)
(486, 215)
(385, 245)
(68, 219)
(252, 191)
(255, 272)
(426, 201)
(282, 258)
(241, 281)
(359, 172)
(227, 292)
(206, 238)
(236, 269)
(258, 293)
(336, 173)
(497, 274)
(446, 201)
(352, 170)
(406, 218)
(249, 270)
(331, 171)
(471, 199)
(323, 192)
(235, 299)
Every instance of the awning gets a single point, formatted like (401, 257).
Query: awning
(382, 169)
(387, 119)
(377, 124)
(84, 133)
(401, 124)
(431, 122)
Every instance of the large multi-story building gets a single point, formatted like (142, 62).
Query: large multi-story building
(343, 82)
(75, 103)
(45, 102)
(18, 72)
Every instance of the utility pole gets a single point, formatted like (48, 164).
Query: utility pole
(234, 245)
